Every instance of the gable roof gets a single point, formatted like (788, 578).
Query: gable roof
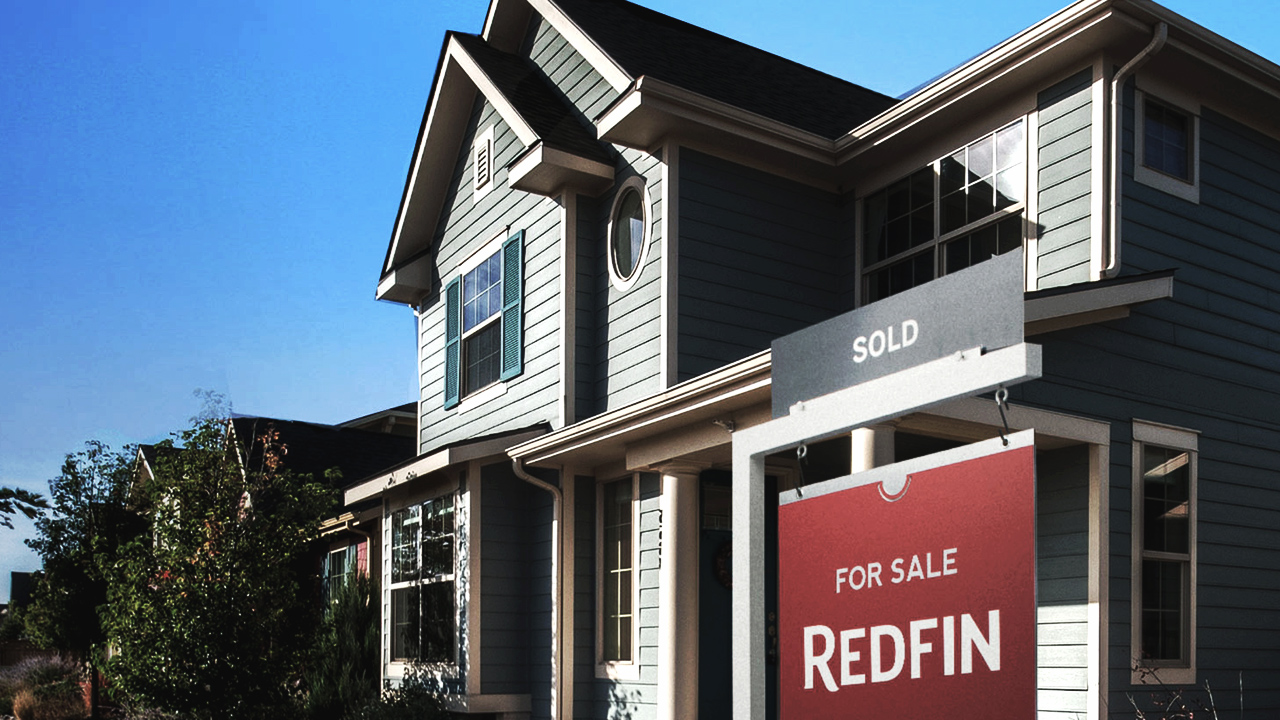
(647, 43)
(313, 448)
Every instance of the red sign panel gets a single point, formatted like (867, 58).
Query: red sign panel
(919, 603)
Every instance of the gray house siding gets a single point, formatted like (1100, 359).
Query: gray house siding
(628, 329)
(505, 581)
(466, 226)
(758, 260)
(584, 598)
(580, 84)
(1063, 152)
(589, 248)
(1062, 583)
(1207, 360)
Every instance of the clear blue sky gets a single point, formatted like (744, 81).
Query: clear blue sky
(199, 194)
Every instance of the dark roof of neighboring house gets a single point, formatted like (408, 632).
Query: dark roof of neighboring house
(645, 42)
(313, 448)
(548, 114)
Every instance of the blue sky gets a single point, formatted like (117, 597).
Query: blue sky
(198, 195)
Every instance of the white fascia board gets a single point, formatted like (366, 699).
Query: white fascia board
(545, 171)
(609, 69)
(500, 102)
(982, 71)
(657, 96)
(426, 464)
(1090, 299)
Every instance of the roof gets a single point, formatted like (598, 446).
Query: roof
(548, 114)
(313, 449)
(647, 43)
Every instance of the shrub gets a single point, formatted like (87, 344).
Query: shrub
(417, 698)
(42, 688)
(344, 675)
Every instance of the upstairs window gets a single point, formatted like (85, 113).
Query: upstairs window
(953, 213)
(484, 320)
(628, 236)
(423, 615)
(1167, 146)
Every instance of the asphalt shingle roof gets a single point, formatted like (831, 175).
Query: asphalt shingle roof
(313, 448)
(550, 115)
(645, 42)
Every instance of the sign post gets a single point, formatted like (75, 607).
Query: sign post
(909, 590)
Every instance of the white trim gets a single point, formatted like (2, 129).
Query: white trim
(669, 369)
(1031, 204)
(1179, 102)
(613, 669)
(566, 411)
(1175, 438)
(1098, 131)
(568, 572)
(483, 144)
(1089, 304)
(1098, 643)
(637, 183)
(482, 396)
(485, 85)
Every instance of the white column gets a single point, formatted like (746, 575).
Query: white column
(871, 447)
(678, 593)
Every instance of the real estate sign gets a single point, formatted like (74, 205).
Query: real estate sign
(909, 590)
(980, 306)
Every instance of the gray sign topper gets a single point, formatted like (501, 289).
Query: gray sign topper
(978, 306)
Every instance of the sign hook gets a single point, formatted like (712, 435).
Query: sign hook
(1002, 402)
(801, 453)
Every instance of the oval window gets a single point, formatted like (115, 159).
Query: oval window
(628, 233)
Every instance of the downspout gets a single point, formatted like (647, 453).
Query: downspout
(1159, 35)
(557, 582)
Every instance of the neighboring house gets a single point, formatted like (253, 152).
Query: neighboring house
(354, 450)
(610, 214)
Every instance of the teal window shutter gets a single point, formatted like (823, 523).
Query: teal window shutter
(452, 342)
(512, 300)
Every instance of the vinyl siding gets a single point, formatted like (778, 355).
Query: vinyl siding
(1062, 584)
(568, 71)
(1063, 152)
(584, 598)
(628, 323)
(506, 556)
(466, 226)
(758, 260)
(1206, 360)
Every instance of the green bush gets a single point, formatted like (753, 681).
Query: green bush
(417, 698)
(343, 677)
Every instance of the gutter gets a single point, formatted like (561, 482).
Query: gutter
(557, 585)
(1160, 35)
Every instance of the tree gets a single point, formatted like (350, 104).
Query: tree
(344, 672)
(207, 614)
(17, 500)
(91, 517)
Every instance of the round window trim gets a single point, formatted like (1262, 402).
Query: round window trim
(632, 188)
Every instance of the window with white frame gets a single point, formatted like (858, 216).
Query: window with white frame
(616, 572)
(1165, 463)
(484, 319)
(955, 212)
(423, 616)
(1167, 145)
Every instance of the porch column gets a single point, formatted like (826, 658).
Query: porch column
(678, 593)
(871, 447)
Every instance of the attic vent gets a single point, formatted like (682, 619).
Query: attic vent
(482, 162)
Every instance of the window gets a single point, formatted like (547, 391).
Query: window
(627, 233)
(337, 568)
(483, 320)
(1164, 550)
(953, 213)
(422, 575)
(617, 572)
(482, 164)
(1167, 152)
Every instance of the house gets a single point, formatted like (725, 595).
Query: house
(610, 215)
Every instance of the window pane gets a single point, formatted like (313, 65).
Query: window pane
(404, 623)
(982, 158)
(899, 198)
(922, 188)
(898, 237)
(628, 233)
(1009, 187)
(482, 352)
(1165, 142)
(952, 173)
(1163, 599)
(404, 544)
(922, 225)
(1166, 499)
(437, 622)
(953, 212)
(1010, 146)
(982, 200)
(617, 570)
